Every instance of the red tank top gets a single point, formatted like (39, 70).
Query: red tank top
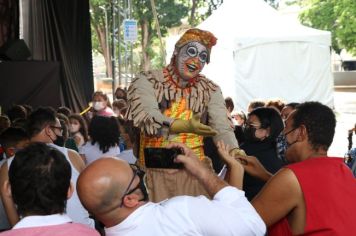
(329, 190)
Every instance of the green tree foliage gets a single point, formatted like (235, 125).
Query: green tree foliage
(337, 16)
(169, 15)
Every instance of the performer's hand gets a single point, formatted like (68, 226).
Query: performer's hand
(192, 126)
(237, 152)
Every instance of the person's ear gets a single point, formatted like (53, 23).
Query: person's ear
(70, 190)
(131, 200)
(47, 130)
(303, 134)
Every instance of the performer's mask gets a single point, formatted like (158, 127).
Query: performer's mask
(190, 60)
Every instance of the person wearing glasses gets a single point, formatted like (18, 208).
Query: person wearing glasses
(115, 193)
(44, 127)
(260, 134)
(315, 195)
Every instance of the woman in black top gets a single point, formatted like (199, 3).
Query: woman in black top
(261, 130)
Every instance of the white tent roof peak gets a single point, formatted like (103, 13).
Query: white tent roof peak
(244, 23)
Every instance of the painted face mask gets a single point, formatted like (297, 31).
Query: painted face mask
(191, 59)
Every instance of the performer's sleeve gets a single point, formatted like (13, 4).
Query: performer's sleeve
(143, 107)
(219, 120)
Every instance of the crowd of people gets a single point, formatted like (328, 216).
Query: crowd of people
(263, 171)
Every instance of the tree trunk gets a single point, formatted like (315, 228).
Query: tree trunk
(192, 12)
(145, 63)
(106, 53)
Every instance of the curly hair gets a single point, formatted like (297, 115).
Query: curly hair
(319, 121)
(104, 131)
(40, 178)
(83, 125)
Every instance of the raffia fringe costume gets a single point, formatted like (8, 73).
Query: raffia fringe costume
(153, 97)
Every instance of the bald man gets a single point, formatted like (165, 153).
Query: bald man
(115, 193)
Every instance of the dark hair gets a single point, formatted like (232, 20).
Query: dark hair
(63, 117)
(229, 103)
(256, 103)
(121, 90)
(15, 112)
(319, 121)
(129, 129)
(269, 118)
(120, 103)
(20, 123)
(65, 129)
(4, 123)
(40, 177)
(104, 131)
(39, 119)
(64, 110)
(11, 136)
(293, 105)
(83, 125)
(28, 109)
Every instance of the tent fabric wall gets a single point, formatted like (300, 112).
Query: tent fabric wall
(260, 56)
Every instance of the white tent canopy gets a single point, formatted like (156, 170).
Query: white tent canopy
(260, 55)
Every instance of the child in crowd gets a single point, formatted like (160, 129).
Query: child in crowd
(119, 107)
(78, 129)
(104, 139)
(101, 104)
(127, 133)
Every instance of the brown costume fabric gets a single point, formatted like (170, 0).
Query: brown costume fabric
(166, 183)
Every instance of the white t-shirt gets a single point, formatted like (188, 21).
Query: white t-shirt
(93, 152)
(128, 156)
(229, 213)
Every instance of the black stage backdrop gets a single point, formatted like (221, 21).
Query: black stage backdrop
(59, 30)
(34, 83)
(9, 20)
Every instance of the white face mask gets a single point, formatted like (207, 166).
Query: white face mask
(98, 106)
(73, 128)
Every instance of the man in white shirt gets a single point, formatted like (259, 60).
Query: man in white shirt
(39, 183)
(115, 193)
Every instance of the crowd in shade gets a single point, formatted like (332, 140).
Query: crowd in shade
(171, 156)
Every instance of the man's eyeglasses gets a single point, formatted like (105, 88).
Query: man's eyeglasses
(57, 127)
(136, 172)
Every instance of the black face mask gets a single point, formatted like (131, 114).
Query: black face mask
(59, 141)
(249, 133)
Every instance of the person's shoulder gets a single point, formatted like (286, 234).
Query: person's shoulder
(80, 229)
(76, 160)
